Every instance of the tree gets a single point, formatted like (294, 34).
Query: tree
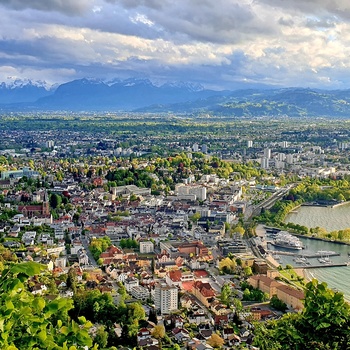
(248, 271)
(225, 295)
(152, 316)
(278, 304)
(239, 229)
(101, 337)
(215, 341)
(158, 332)
(324, 323)
(329, 323)
(195, 217)
(30, 322)
(227, 265)
(55, 200)
(72, 279)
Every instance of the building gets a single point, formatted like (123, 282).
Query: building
(130, 283)
(204, 292)
(165, 298)
(264, 283)
(267, 153)
(42, 209)
(140, 293)
(17, 174)
(129, 190)
(264, 162)
(249, 143)
(146, 247)
(291, 296)
(200, 192)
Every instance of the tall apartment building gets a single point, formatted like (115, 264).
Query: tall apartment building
(264, 162)
(165, 298)
(267, 153)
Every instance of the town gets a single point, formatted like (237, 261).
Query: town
(162, 219)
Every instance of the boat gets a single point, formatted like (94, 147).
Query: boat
(301, 260)
(286, 240)
(326, 252)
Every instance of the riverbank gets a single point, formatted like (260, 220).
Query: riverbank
(324, 205)
(340, 204)
(320, 239)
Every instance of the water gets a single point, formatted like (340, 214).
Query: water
(331, 219)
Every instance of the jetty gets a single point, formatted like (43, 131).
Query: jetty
(319, 254)
(325, 265)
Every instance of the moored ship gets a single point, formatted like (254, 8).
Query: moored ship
(286, 240)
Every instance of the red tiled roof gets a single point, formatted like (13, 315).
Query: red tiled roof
(175, 275)
(204, 288)
(200, 273)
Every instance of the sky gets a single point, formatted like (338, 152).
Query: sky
(221, 44)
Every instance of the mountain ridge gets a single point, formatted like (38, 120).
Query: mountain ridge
(142, 95)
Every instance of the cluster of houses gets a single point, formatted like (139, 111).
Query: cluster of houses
(171, 268)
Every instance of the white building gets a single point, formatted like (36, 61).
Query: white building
(146, 247)
(140, 293)
(249, 143)
(289, 158)
(49, 143)
(267, 153)
(165, 298)
(130, 283)
(264, 162)
(199, 191)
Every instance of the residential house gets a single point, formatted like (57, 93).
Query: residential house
(181, 335)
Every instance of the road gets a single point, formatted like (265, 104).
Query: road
(92, 260)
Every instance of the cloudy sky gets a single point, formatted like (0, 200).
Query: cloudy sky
(222, 44)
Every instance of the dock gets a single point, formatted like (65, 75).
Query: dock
(324, 265)
(298, 254)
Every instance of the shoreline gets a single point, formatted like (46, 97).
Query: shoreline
(309, 276)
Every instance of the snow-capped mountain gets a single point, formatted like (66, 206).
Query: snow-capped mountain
(19, 91)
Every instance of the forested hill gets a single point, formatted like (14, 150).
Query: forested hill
(292, 102)
(143, 96)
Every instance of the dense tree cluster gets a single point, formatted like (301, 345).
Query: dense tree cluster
(323, 324)
(29, 321)
(99, 245)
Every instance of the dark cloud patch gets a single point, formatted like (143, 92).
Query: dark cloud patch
(287, 22)
(152, 4)
(315, 7)
(68, 7)
(320, 23)
(221, 21)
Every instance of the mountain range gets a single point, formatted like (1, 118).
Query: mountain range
(141, 95)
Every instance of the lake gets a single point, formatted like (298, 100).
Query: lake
(331, 219)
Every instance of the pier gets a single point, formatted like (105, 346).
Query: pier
(324, 265)
(298, 255)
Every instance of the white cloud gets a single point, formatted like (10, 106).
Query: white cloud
(279, 42)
